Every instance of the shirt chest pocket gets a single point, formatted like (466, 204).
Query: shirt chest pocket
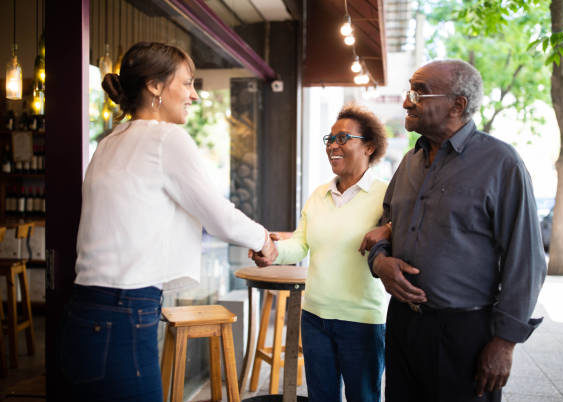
(461, 208)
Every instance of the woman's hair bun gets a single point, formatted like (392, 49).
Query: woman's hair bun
(112, 86)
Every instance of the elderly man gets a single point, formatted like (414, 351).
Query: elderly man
(465, 263)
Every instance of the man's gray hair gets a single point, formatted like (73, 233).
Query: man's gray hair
(465, 81)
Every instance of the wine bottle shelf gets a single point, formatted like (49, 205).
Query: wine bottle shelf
(20, 175)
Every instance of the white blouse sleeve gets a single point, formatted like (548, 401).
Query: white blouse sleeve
(189, 185)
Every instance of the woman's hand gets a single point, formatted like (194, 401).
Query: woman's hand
(268, 254)
(376, 235)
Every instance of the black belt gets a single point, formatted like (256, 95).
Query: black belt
(423, 308)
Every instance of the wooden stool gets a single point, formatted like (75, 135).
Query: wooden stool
(12, 269)
(213, 322)
(272, 355)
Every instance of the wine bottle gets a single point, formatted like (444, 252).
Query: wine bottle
(21, 203)
(37, 202)
(8, 202)
(7, 160)
(10, 122)
(29, 202)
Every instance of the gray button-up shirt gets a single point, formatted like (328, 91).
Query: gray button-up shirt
(468, 222)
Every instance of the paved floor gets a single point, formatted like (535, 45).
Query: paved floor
(537, 371)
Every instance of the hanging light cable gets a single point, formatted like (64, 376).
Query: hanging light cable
(117, 65)
(105, 63)
(13, 69)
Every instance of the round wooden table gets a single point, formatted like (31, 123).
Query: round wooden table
(277, 277)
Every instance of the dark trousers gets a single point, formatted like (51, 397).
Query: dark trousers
(336, 349)
(432, 356)
(109, 349)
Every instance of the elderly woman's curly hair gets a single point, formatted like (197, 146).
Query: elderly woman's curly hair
(370, 127)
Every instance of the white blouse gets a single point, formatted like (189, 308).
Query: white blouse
(145, 198)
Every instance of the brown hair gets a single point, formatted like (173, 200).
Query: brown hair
(142, 63)
(370, 127)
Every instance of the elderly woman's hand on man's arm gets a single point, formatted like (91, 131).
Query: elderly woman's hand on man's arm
(376, 235)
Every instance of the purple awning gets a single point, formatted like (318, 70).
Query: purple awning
(210, 24)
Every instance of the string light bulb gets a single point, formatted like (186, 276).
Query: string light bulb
(361, 79)
(346, 28)
(349, 40)
(356, 66)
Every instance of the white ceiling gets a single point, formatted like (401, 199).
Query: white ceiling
(237, 12)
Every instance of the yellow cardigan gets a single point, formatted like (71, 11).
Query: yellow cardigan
(339, 284)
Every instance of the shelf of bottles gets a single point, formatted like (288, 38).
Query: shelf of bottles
(23, 184)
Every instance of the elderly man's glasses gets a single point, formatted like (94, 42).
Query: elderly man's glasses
(414, 97)
(340, 138)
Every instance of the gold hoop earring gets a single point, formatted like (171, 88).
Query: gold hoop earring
(159, 101)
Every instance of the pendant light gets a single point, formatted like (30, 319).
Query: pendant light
(38, 104)
(13, 69)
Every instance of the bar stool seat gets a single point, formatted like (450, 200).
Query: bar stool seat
(16, 269)
(211, 321)
(272, 354)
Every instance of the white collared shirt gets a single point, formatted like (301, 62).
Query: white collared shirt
(363, 184)
(145, 197)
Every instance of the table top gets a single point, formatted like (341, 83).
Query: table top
(282, 274)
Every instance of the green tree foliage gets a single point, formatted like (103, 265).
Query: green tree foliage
(204, 114)
(489, 17)
(496, 40)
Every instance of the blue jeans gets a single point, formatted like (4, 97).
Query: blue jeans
(109, 348)
(335, 349)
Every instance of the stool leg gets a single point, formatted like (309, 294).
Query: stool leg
(215, 363)
(12, 319)
(300, 360)
(230, 363)
(253, 297)
(26, 304)
(167, 361)
(181, 349)
(264, 318)
(277, 347)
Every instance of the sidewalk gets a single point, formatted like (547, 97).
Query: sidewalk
(537, 370)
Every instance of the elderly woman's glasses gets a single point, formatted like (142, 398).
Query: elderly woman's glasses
(414, 97)
(340, 138)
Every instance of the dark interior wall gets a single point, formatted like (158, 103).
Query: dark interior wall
(66, 115)
(278, 44)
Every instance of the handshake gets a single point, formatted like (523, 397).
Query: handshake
(269, 252)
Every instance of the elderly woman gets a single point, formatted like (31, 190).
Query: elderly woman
(342, 325)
